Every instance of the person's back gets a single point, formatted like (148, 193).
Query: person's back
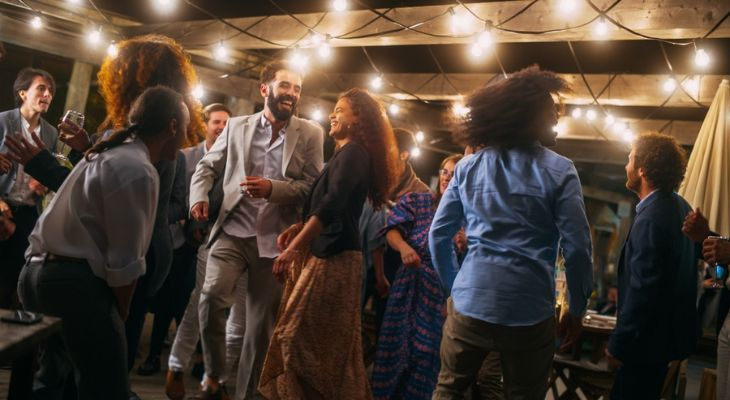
(514, 200)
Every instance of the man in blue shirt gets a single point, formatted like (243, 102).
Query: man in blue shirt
(520, 202)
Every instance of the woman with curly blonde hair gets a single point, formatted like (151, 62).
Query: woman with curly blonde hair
(316, 351)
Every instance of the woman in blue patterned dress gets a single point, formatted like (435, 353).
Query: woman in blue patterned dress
(407, 359)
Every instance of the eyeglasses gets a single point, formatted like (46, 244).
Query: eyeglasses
(446, 173)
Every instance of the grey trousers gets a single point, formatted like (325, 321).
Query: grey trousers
(526, 354)
(92, 332)
(230, 257)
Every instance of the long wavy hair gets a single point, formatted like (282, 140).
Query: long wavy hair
(143, 62)
(149, 115)
(373, 131)
(510, 112)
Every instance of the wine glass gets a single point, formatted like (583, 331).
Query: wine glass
(75, 118)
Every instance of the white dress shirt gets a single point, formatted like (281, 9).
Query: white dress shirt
(21, 194)
(104, 213)
(266, 158)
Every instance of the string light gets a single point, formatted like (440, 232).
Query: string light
(324, 50)
(702, 59)
(476, 51)
(339, 5)
(377, 82)
(460, 110)
(220, 52)
(298, 60)
(315, 38)
(112, 51)
(627, 135)
(560, 128)
(601, 27)
(591, 114)
(567, 6)
(669, 85)
(610, 120)
(577, 113)
(415, 152)
(94, 37)
(317, 114)
(485, 38)
(420, 136)
(198, 92)
(36, 22)
(165, 6)
(393, 109)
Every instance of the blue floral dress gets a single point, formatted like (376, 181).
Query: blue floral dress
(407, 358)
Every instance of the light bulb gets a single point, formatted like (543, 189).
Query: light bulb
(476, 51)
(420, 136)
(669, 85)
(36, 22)
(567, 6)
(198, 92)
(299, 61)
(702, 59)
(577, 112)
(415, 152)
(324, 50)
(591, 114)
(610, 119)
(317, 115)
(220, 52)
(339, 5)
(692, 85)
(485, 39)
(94, 37)
(112, 51)
(601, 27)
(165, 6)
(461, 110)
(377, 82)
(394, 109)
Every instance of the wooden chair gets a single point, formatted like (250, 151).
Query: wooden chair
(676, 381)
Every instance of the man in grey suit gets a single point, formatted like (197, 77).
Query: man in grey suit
(267, 162)
(216, 117)
(19, 193)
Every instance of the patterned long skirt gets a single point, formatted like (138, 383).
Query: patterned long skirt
(316, 351)
(407, 359)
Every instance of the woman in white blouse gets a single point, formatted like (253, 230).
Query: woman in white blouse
(87, 249)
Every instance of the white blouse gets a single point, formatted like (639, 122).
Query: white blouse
(104, 213)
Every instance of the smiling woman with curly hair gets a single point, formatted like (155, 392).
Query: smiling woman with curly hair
(316, 351)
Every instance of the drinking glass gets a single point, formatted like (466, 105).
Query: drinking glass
(72, 117)
(720, 272)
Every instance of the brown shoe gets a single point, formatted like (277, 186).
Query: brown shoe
(174, 385)
(207, 393)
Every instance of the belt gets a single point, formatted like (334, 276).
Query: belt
(56, 258)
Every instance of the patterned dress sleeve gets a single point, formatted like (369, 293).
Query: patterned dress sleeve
(403, 215)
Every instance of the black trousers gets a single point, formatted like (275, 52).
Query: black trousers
(639, 381)
(12, 254)
(92, 333)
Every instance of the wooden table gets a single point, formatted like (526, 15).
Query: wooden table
(19, 346)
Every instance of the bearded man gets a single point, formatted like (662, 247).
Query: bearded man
(267, 162)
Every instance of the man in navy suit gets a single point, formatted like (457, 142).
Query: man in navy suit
(657, 275)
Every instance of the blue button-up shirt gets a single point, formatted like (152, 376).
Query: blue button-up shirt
(518, 205)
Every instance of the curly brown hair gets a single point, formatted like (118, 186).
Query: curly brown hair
(510, 112)
(143, 62)
(373, 131)
(663, 159)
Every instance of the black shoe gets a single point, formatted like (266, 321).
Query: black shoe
(151, 366)
(198, 371)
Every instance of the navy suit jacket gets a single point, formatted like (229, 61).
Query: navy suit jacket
(657, 285)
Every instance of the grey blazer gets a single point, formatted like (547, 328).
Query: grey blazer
(228, 159)
(10, 123)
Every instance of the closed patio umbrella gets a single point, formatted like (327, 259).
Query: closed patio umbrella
(707, 182)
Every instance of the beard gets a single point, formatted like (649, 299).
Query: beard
(633, 182)
(274, 101)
